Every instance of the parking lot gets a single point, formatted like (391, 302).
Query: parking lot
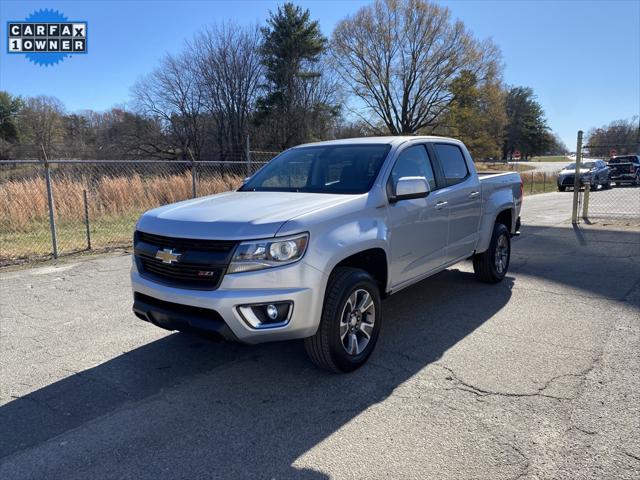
(536, 377)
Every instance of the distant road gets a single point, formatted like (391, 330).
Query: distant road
(548, 167)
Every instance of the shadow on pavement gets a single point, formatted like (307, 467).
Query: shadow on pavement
(185, 407)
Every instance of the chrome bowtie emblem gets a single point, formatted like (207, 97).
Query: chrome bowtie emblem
(167, 255)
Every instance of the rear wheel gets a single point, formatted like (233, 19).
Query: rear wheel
(350, 323)
(492, 266)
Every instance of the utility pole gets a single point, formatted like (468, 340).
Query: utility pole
(576, 180)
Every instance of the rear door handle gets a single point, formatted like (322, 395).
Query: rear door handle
(474, 194)
(441, 205)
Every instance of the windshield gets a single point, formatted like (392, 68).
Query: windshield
(572, 166)
(347, 169)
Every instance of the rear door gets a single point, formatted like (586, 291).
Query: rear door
(464, 200)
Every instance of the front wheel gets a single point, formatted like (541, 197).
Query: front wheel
(491, 266)
(350, 323)
(562, 189)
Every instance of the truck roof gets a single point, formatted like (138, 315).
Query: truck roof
(389, 140)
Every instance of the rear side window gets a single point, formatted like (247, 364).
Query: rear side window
(452, 161)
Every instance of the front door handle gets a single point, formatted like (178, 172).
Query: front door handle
(474, 194)
(441, 205)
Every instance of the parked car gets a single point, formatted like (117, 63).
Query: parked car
(312, 242)
(593, 172)
(625, 169)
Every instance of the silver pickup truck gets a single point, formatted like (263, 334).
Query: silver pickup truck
(312, 242)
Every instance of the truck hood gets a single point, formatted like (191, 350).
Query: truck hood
(234, 215)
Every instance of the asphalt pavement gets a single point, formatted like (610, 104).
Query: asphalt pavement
(536, 377)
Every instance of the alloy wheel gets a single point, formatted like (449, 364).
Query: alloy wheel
(501, 255)
(356, 321)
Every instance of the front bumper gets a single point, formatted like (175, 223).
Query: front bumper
(216, 311)
(568, 180)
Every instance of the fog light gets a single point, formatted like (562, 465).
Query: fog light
(266, 315)
(272, 312)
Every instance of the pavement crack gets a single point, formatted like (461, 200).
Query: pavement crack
(467, 387)
(631, 455)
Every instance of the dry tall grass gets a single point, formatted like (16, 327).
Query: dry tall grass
(24, 202)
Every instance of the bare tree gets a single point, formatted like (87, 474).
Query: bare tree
(41, 122)
(230, 72)
(399, 58)
(173, 95)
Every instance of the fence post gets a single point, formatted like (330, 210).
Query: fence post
(194, 174)
(86, 218)
(544, 182)
(248, 158)
(576, 180)
(531, 184)
(52, 217)
(585, 201)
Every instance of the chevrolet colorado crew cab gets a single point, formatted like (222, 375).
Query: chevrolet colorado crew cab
(309, 245)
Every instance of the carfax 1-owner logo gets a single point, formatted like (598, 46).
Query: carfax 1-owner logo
(46, 37)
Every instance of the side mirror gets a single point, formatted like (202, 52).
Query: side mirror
(410, 187)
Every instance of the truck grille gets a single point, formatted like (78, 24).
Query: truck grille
(194, 263)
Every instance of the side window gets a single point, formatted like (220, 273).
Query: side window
(413, 162)
(452, 161)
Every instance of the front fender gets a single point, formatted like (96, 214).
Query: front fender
(341, 232)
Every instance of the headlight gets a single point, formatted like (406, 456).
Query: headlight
(272, 252)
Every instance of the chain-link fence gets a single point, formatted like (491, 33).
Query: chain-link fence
(533, 181)
(611, 193)
(64, 206)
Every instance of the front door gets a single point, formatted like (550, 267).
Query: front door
(418, 234)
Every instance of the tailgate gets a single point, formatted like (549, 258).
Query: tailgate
(621, 168)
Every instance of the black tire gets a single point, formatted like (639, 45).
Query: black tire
(326, 348)
(607, 186)
(562, 189)
(485, 264)
(636, 181)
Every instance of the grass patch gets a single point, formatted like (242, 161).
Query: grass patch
(114, 203)
(107, 231)
(502, 167)
(538, 182)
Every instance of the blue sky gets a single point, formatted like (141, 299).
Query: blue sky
(582, 58)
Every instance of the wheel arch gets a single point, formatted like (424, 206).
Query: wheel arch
(374, 261)
(504, 214)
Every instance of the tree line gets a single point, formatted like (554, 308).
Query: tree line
(620, 137)
(395, 67)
